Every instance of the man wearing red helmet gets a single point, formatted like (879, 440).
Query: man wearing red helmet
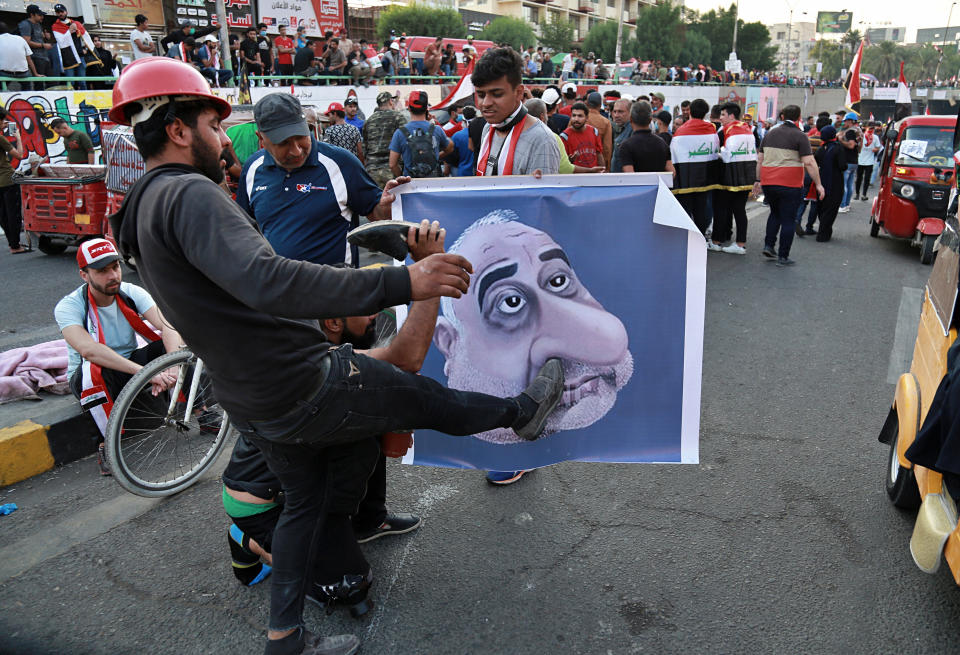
(100, 321)
(253, 318)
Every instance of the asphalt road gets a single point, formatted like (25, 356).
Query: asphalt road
(780, 541)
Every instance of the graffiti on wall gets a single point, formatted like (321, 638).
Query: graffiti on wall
(85, 111)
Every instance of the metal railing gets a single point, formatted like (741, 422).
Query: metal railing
(43, 81)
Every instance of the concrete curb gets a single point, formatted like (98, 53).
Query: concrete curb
(60, 436)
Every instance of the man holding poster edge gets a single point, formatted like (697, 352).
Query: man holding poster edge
(512, 142)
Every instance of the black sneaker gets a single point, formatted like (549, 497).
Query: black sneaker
(810, 231)
(102, 462)
(394, 524)
(546, 390)
(785, 261)
(769, 252)
(798, 229)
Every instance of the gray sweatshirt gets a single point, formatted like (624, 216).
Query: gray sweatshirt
(251, 315)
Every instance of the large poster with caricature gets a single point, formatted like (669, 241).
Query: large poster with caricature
(608, 278)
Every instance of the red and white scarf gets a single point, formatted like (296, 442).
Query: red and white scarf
(94, 395)
(503, 166)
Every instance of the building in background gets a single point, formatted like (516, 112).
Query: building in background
(939, 35)
(582, 14)
(878, 34)
(794, 42)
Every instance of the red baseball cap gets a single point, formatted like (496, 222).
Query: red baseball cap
(96, 253)
(418, 100)
(334, 106)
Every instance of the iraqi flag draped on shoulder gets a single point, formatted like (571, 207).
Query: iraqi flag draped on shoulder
(694, 151)
(852, 82)
(68, 49)
(739, 157)
(463, 89)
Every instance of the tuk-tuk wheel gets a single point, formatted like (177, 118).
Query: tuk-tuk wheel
(900, 483)
(926, 248)
(874, 227)
(49, 246)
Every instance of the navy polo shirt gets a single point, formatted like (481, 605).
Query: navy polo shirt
(306, 213)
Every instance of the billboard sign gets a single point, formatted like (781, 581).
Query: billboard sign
(834, 22)
(318, 15)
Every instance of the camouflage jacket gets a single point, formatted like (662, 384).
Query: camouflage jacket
(377, 133)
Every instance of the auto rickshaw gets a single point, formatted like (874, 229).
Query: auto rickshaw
(916, 175)
(936, 534)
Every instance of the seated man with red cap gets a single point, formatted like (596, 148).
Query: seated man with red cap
(101, 321)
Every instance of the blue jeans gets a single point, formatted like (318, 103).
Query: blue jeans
(849, 176)
(213, 73)
(402, 72)
(359, 397)
(78, 71)
(812, 216)
(784, 204)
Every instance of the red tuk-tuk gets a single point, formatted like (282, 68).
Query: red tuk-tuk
(64, 204)
(916, 175)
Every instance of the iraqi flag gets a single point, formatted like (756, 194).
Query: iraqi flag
(904, 106)
(69, 56)
(463, 89)
(852, 82)
(694, 150)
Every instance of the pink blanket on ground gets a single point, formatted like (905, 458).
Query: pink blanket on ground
(25, 371)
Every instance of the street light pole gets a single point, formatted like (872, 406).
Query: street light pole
(786, 64)
(736, 19)
(943, 44)
(616, 48)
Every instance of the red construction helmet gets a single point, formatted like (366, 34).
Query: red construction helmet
(151, 82)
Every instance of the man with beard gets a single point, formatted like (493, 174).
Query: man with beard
(528, 305)
(622, 130)
(581, 140)
(293, 189)
(100, 321)
(253, 317)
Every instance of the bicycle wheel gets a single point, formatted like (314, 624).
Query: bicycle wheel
(159, 445)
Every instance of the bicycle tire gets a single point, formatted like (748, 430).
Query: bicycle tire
(126, 438)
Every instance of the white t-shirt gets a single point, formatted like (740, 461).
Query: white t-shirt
(117, 333)
(13, 53)
(568, 63)
(137, 35)
(867, 156)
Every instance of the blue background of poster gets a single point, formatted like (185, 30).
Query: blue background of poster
(636, 270)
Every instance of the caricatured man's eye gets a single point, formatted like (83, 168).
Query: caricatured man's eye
(511, 304)
(559, 282)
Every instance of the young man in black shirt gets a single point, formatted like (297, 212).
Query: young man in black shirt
(644, 152)
(250, 54)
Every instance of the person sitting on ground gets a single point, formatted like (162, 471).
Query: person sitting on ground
(100, 321)
(76, 144)
(251, 493)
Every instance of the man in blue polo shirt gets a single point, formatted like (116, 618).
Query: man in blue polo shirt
(305, 195)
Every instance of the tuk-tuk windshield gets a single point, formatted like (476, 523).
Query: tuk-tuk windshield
(926, 145)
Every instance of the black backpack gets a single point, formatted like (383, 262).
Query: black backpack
(423, 157)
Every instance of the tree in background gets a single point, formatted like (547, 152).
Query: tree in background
(659, 33)
(556, 34)
(513, 31)
(753, 40)
(696, 48)
(420, 20)
(602, 41)
(827, 53)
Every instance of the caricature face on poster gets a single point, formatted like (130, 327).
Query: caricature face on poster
(584, 275)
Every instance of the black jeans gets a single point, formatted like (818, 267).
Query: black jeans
(727, 207)
(695, 204)
(359, 398)
(784, 202)
(10, 217)
(863, 179)
(829, 207)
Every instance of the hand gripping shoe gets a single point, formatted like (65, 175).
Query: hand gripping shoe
(546, 391)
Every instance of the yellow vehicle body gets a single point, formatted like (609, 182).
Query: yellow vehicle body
(937, 530)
